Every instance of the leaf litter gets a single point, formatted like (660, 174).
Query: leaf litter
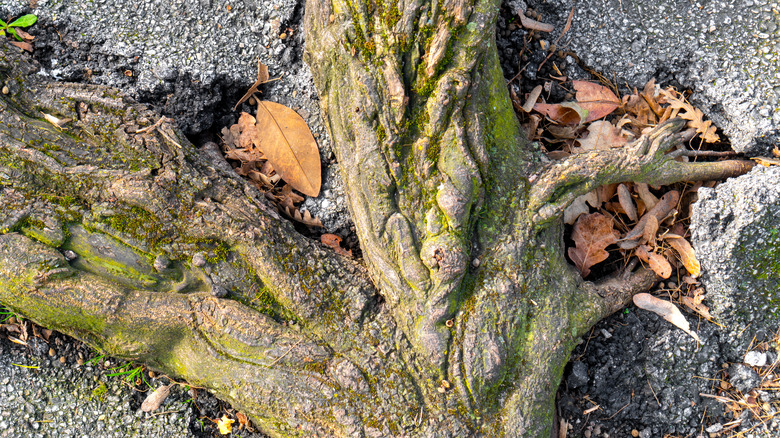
(277, 152)
(613, 224)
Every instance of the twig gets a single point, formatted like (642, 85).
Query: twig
(654, 396)
(687, 153)
(533, 24)
(285, 353)
(565, 29)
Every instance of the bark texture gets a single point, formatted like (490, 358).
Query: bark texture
(117, 231)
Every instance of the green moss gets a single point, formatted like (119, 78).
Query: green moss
(99, 393)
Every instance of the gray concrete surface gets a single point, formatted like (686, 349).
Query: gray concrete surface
(726, 51)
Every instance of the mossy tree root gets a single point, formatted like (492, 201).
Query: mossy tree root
(462, 320)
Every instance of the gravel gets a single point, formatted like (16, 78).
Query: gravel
(726, 51)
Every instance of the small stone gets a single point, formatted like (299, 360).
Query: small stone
(52, 352)
(161, 263)
(715, 428)
(579, 375)
(634, 433)
(283, 36)
(199, 259)
(80, 361)
(743, 378)
(5, 89)
(755, 358)
(62, 359)
(606, 334)
(219, 291)
(70, 255)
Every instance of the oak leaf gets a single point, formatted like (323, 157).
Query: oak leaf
(694, 116)
(289, 146)
(602, 135)
(592, 233)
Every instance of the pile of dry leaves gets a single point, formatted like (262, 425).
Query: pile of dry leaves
(617, 222)
(276, 152)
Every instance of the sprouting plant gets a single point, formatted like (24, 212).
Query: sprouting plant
(134, 376)
(95, 360)
(23, 21)
(6, 314)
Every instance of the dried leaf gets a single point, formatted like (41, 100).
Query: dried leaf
(22, 45)
(532, 98)
(665, 310)
(765, 161)
(244, 422)
(694, 116)
(651, 229)
(579, 206)
(696, 305)
(592, 233)
(646, 196)
(287, 142)
(660, 211)
(597, 99)
(249, 137)
(687, 255)
(225, 424)
(24, 35)
(155, 399)
(334, 242)
(567, 113)
(624, 196)
(262, 77)
(602, 135)
(56, 120)
(657, 262)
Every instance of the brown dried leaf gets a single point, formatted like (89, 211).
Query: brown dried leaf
(660, 211)
(22, 45)
(602, 135)
(579, 206)
(624, 196)
(244, 422)
(592, 233)
(262, 77)
(287, 142)
(696, 305)
(249, 137)
(665, 310)
(532, 98)
(155, 399)
(334, 242)
(651, 229)
(646, 196)
(694, 116)
(567, 113)
(24, 35)
(657, 262)
(597, 99)
(686, 253)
